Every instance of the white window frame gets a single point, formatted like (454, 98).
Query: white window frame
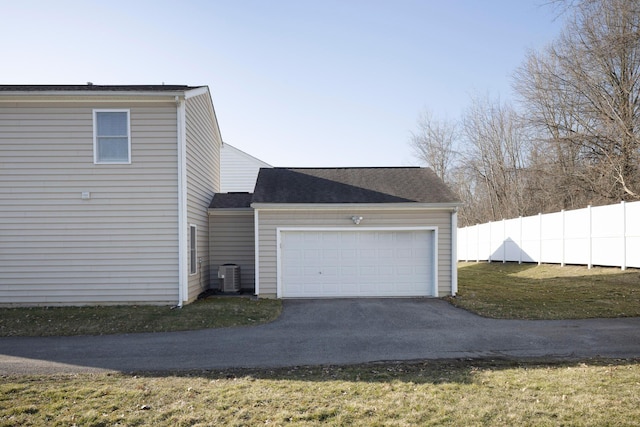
(95, 136)
(193, 249)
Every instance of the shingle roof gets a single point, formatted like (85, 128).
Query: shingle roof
(95, 88)
(231, 200)
(351, 185)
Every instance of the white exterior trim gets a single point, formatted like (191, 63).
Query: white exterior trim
(361, 206)
(183, 250)
(77, 95)
(280, 230)
(95, 134)
(196, 92)
(454, 253)
(256, 235)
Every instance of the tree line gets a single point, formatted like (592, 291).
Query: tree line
(571, 138)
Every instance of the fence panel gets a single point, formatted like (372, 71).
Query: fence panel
(512, 241)
(633, 234)
(604, 235)
(530, 238)
(607, 230)
(551, 238)
(576, 236)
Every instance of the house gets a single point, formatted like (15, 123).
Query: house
(113, 195)
(238, 170)
(340, 232)
(104, 193)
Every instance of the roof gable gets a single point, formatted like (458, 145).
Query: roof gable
(351, 185)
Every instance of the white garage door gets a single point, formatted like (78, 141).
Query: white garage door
(356, 263)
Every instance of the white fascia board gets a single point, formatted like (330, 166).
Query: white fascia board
(75, 96)
(359, 206)
(357, 228)
(196, 92)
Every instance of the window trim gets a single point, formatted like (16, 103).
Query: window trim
(193, 249)
(95, 136)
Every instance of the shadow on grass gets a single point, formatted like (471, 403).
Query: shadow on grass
(458, 371)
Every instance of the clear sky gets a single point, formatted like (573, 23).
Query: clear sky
(294, 82)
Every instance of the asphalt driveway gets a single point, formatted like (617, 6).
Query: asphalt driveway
(342, 331)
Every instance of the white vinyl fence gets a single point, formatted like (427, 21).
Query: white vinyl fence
(604, 236)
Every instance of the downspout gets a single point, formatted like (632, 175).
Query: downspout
(454, 252)
(182, 201)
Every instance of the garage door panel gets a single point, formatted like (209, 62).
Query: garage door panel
(356, 263)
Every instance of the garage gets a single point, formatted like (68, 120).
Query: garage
(351, 232)
(357, 262)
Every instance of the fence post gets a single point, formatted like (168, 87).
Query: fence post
(477, 242)
(539, 238)
(504, 241)
(563, 238)
(489, 257)
(520, 242)
(466, 239)
(623, 265)
(590, 264)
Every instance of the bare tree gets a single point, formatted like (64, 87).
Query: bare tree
(582, 94)
(495, 160)
(434, 143)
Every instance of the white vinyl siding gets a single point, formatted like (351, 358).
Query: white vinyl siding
(120, 246)
(203, 179)
(238, 170)
(111, 137)
(270, 220)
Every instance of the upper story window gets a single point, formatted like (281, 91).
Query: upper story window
(111, 136)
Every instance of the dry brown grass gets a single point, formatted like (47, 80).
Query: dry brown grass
(449, 393)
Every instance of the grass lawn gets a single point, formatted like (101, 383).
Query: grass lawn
(531, 291)
(443, 393)
(206, 313)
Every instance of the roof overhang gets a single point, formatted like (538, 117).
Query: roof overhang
(75, 95)
(361, 206)
(229, 211)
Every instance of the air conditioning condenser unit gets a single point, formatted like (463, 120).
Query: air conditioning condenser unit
(229, 275)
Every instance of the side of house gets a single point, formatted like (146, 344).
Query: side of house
(203, 145)
(95, 196)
